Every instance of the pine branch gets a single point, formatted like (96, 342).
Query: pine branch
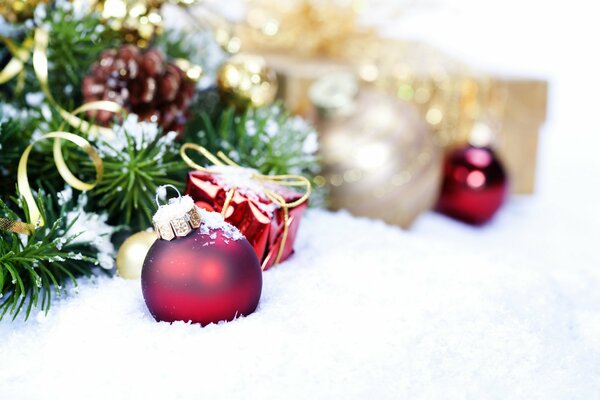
(35, 269)
(267, 138)
(186, 45)
(75, 43)
(136, 162)
(16, 128)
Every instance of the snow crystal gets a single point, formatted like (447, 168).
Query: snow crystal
(92, 228)
(240, 179)
(236, 177)
(176, 208)
(310, 144)
(34, 99)
(65, 195)
(212, 221)
(251, 127)
(10, 112)
(271, 128)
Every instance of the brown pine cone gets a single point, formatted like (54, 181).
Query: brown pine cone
(142, 82)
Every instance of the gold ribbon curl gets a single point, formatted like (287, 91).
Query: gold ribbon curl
(23, 181)
(40, 67)
(16, 65)
(263, 180)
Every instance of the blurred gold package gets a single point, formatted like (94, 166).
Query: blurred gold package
(303, 40)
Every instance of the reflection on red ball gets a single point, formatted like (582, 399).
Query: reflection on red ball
(474, 185)
(202, 278)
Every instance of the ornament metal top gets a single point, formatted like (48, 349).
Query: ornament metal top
(177, 218)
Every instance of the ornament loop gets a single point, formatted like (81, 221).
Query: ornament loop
(165, 187)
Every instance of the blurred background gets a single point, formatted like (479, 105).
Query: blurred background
(399, 90)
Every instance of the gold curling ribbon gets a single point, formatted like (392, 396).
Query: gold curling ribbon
(263, 180)
(17, 63)
(40, 66)
(23, 181)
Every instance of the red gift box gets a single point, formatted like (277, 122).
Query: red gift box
(260, 215)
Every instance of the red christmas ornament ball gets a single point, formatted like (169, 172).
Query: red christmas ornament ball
(204, 277)
(474, 185)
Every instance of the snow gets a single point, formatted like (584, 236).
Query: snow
(212, 221)
(176, 208)
(367, 311)
(134, 134)
(453, 311)
(89, 227)
(239, 178)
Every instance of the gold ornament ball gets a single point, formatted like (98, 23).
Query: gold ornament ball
(18, 10)
(246, 81)
(138, 21)
(132, 253)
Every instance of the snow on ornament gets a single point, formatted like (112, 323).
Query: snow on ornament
(201, 269)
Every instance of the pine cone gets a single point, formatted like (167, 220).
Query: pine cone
(144, 83)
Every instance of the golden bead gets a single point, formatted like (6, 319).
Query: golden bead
(246, 81)
(132, 253)
(138, 21)
(18, 10)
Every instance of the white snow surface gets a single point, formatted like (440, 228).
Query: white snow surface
(362, 310)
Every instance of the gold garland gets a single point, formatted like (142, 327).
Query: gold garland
(282, 180)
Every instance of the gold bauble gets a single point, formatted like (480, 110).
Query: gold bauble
(246, 81)
(132, 253)
(18, 10)
(139, 21)
(379, 158)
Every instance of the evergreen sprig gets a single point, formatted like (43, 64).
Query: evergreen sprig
(16, 127)
(12, 143)
(136, 162)
(35, 268)
(178, 43)
(266, 138)
(76, 42)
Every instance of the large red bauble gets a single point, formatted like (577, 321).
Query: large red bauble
(202, 277)
(474, 185)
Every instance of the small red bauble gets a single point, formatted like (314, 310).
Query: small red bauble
(204, 277)
(474, 185)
